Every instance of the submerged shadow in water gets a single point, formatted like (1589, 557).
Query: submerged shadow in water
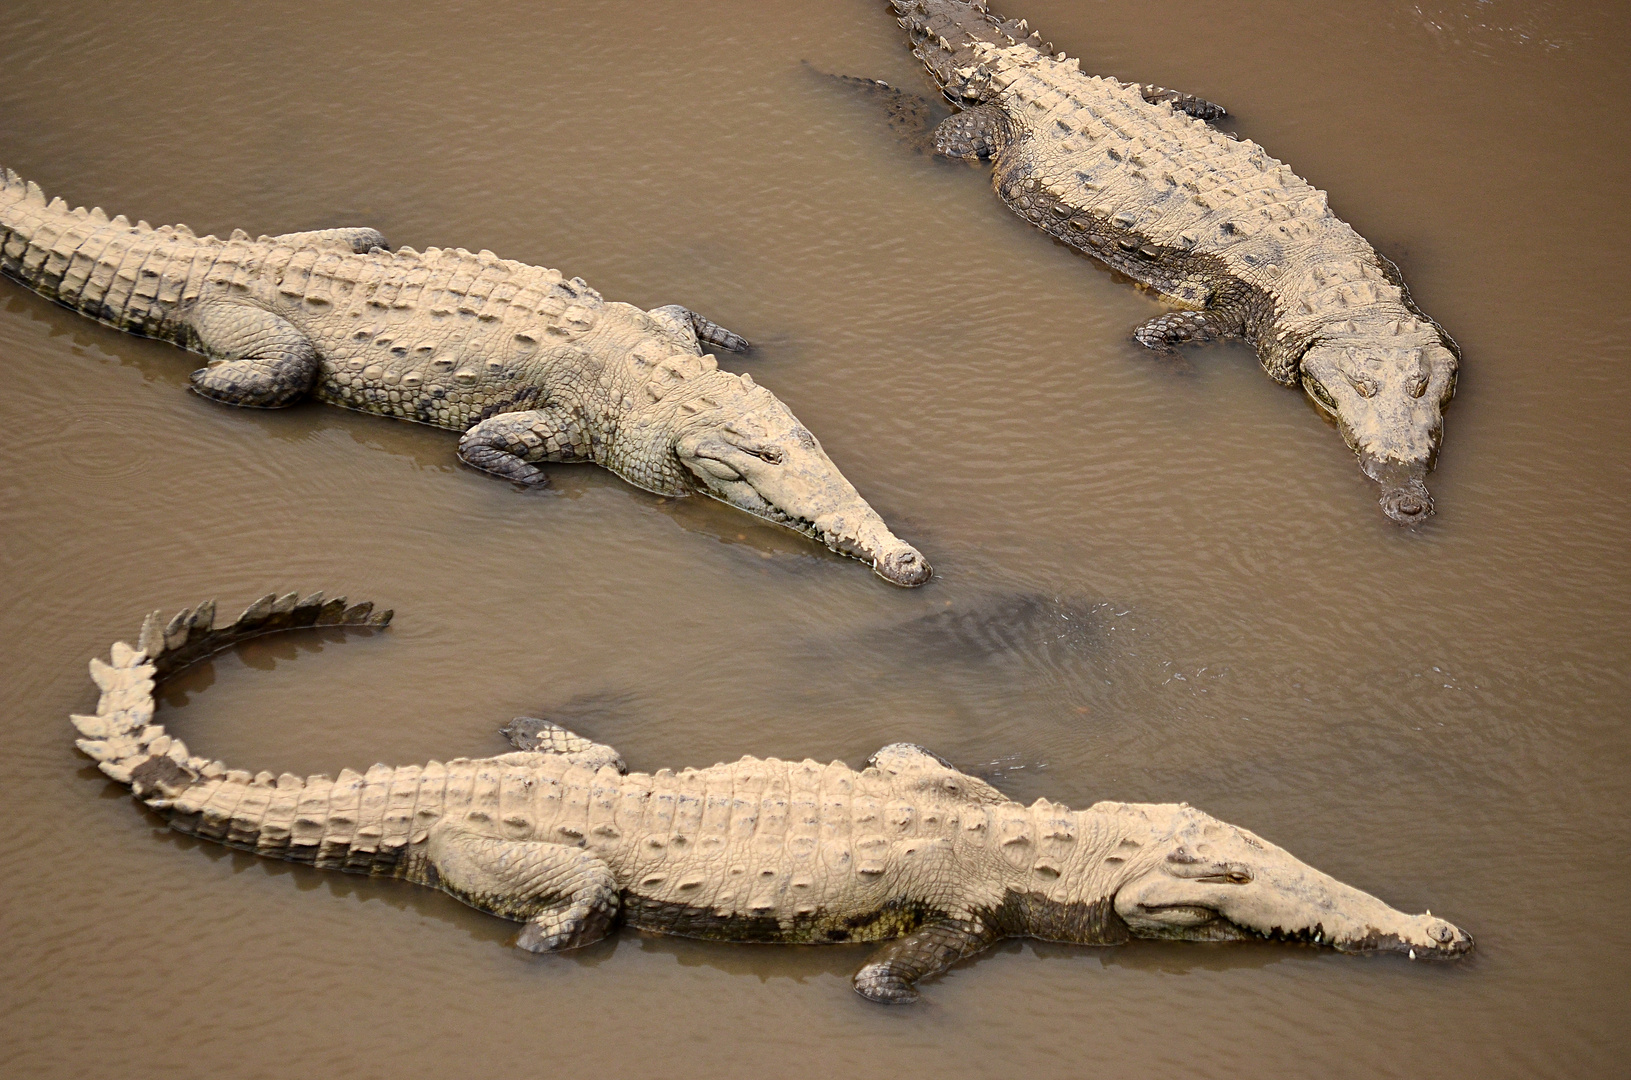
(1012, 627)
(1031, 640)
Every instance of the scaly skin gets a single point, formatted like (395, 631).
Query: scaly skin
(528, 367)
(560, 837)
(1133, 176)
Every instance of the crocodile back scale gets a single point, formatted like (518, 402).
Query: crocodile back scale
(561, 837)
(1239, 244)
(528, 366)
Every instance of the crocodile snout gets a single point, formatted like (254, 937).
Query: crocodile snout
(904, 567)
(856, 530)
(1430, 939)
(1451, 939)
(1407, 504)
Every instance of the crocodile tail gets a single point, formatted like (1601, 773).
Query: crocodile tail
(133, 277)
(330, 822)
(943, 33)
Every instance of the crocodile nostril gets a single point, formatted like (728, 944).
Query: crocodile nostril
(1405, 505)
(904, 568)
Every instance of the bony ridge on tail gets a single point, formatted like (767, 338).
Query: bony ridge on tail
(561, 837)
(529, 367)
(1239, 244)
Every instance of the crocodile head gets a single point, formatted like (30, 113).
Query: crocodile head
(750, 451)
(1388, 402)
(1211, 881)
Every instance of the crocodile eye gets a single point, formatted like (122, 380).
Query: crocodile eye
(1418, 385)
(1230, 877)
(1364, 386)
(771, 454)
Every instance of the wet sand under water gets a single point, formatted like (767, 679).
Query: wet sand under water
(1155, 581)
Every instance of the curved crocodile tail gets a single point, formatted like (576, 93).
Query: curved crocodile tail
(313, 820)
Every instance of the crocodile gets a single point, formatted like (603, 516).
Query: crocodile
(1237, 243)
(527, 366)
(561, 837)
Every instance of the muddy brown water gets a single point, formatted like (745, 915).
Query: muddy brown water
(1155, 581)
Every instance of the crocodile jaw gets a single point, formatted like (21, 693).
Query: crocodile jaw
(1210, 881)
(759, 458)
(856, 531)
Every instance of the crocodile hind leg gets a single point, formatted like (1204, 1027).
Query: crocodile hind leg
(977, 132)
(507, 445)
(547, 737)
(1188, 104)
(259, 359)
(685, 323)
(566, 896)
(899, 755)
(358, 241)
(890, 976)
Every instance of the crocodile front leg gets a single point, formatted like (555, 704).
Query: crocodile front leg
(358, 241)
(688, 324)
(1165, 333)
(890, 976)
(977, 132)
(507, 444)
(566, 896)
(1226, 315)
(259, 359)
(1189, 104)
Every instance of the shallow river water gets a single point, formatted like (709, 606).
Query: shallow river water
(1156, 581)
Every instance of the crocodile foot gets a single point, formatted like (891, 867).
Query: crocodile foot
(1165, 333)
(1188, 104)
(503, 444)
(876, 982)
(579, 925)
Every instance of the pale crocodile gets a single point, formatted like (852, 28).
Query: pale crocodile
(528, 366)
(1134, 176)
(560, 837)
